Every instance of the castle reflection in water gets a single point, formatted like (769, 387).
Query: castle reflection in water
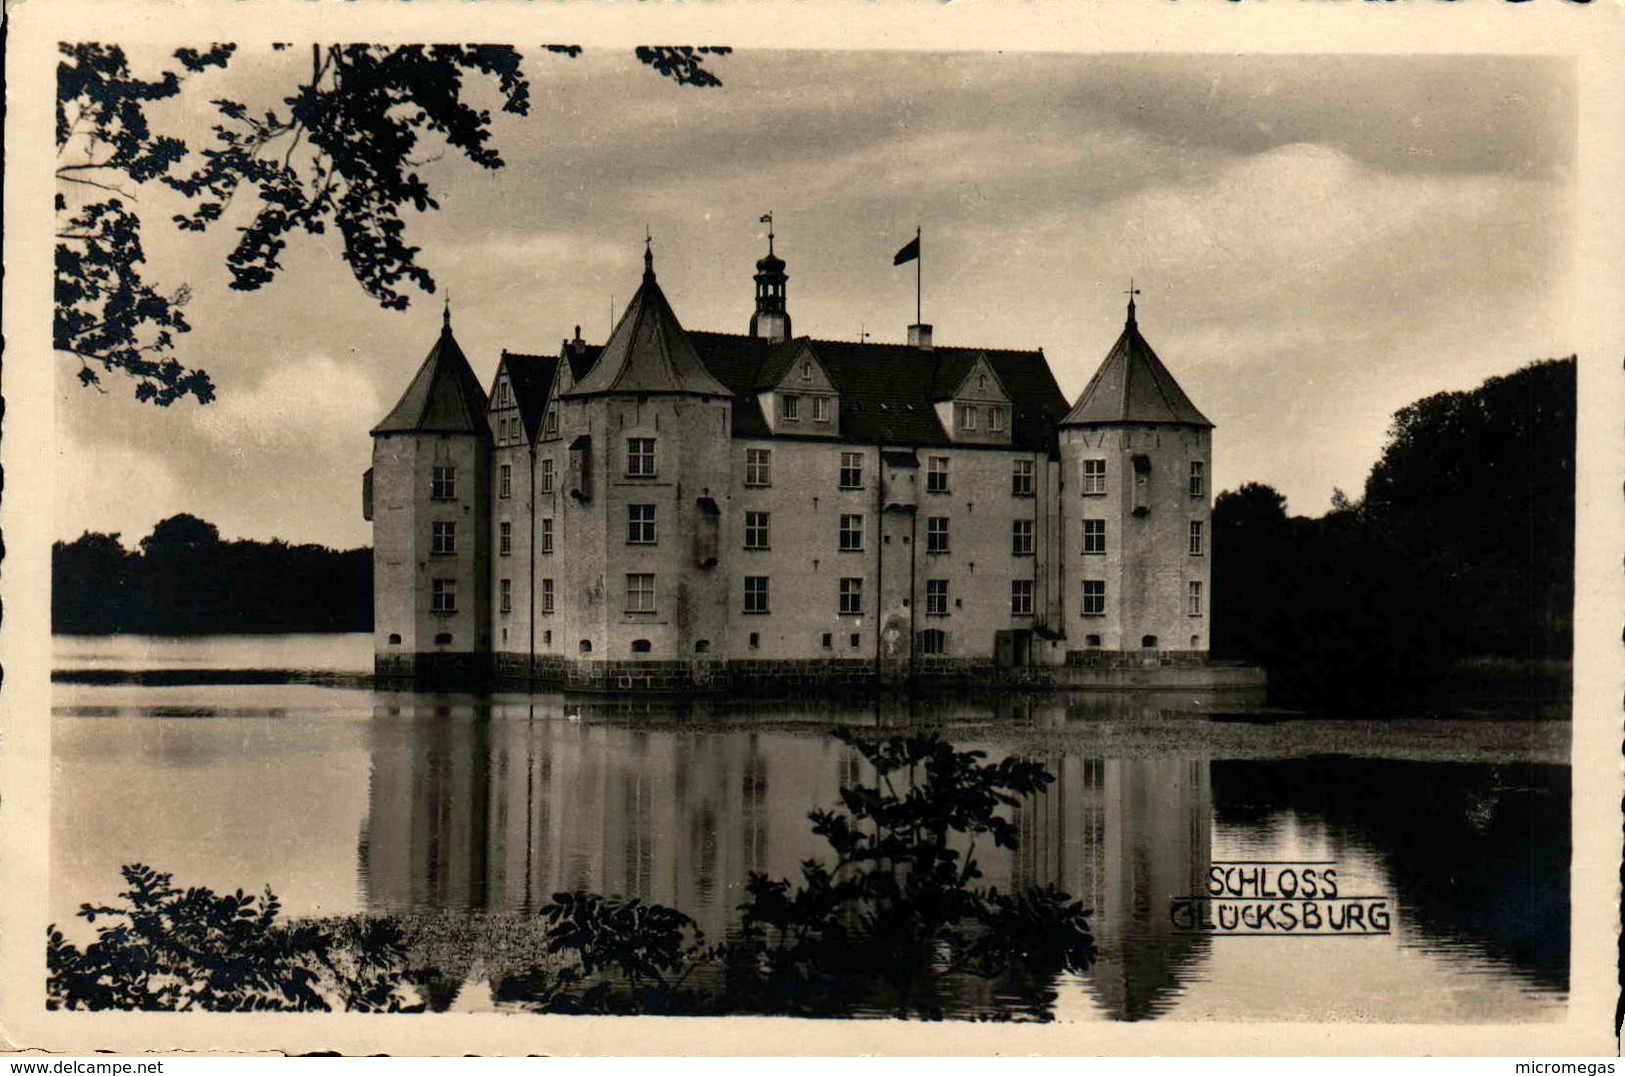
(495, 806)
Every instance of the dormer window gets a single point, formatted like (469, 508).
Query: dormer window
(790, 408)
(995, 419)
(967, 418)
(820, 408)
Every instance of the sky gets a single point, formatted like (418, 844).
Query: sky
(1317, 241)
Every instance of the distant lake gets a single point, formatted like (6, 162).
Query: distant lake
(347, 800)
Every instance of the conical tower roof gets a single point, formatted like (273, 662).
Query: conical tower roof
(444, 396)
(649, 352)
(1133, 386)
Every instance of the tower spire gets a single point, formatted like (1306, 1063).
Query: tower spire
(648, 256)
(445, 314)
(771, 321)
(1131, 293)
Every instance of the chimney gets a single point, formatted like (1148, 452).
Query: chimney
(919, 336)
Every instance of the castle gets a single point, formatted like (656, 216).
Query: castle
(681, 510)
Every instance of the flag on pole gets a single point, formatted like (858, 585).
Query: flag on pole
(910, 251)
(767, 218)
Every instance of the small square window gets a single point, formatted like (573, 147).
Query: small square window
(640, 457)
(1094, 536)
(758, 467)
(640, 524)
(851, 470)
(756, 530)
(829, 640)
(856, 640)
(851, 535)
(1021, 479)
(755, 640)
(443, 484)
(1021, 538)
(640, 592)
(1094, 478)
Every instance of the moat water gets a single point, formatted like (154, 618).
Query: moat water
(346, 800)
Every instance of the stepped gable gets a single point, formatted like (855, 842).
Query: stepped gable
(1133, 386)
(649, 352)
(444, 396)
(887, 390)
(532, 379)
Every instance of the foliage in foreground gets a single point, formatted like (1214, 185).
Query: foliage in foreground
(173, 950)
(896, 920)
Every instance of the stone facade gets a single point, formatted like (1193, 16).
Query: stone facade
(678, 512)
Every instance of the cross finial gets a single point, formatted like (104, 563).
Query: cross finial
(1131, 293)
(648, 256)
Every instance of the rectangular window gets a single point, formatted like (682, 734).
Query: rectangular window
(851, 534)
(820, 408)
(936, 597)
(1094, 598)
(443, 596)
(547, 535)
(995, 419)
(1196, 538)
(851, 597)
(1094, 536)
(967, 418)
(442, 538)
(755, 593)
(550, 424)
(790, 408)
(758, 467)
(936, 474)
(851, 470)
(933, 641)
(756, 530)
(640, 524)
(443, 484)
(856, 640)
(1195, 599)
(936, 534)
(547, 595)
(1021, 597)
(505, 595)
(1094, 478)
(1021, 538)
(806, 371)
(505, 480)
(547, 476)
(1198, 479)
(640, 592)
(640, 457)
(505, 538)
(1021, 479)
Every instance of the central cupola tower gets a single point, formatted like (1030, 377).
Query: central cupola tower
(771, 321)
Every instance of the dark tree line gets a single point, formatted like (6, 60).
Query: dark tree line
(1462, 546)
(185, 580)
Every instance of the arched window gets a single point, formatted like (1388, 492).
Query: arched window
(703, 646)
(1196, 642)
(443, 639)
(1091, 640)
(933, 641)
(586, 646)
(640, 646)
(1149, 642)
(394, 638)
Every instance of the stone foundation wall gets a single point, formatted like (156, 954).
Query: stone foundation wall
(456, 672)
(1134, 659)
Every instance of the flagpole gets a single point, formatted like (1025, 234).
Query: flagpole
(919, 257)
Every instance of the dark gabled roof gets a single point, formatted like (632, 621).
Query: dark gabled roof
(444, 396)
(532, 379)
(582, 359)
(648, 352)
(886, 390)
(1133, 386)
